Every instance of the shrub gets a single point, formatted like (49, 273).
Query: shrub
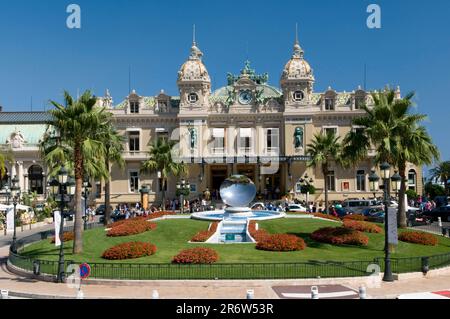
(258, 235)
(416, 237)
(203, 236)
(131, 227)
(356, 217)
(340, 236)
(325, 216)
(281, 242)
(129, 251)
(196, 256)
(67, 236)
(362, 226)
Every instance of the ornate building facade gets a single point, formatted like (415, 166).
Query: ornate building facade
(247, 127)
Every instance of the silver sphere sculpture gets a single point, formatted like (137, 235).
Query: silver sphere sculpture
(238, 191)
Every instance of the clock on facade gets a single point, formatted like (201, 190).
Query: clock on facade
(298, 96)
(245, 97)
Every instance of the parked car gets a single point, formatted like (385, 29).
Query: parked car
(441, 201)
(358, 206)
(296, 208)
(100, 210)
(258, 206)
(374, 214)
(115, 216)
(341, 211)
(416, 218)
(39, 207)
(443, 212)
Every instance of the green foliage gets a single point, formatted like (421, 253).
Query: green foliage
(442, 173)
(184, 192)
(412, 194)
(308, 189)
(433, 190)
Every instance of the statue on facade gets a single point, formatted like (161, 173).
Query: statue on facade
(193, 135)
(16, 140)
(298, 137)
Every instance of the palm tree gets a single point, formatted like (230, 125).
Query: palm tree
(161, 160)
(442, 172)
(323, 150)
(396, 135)
(113, 142)
(5, 157)
(78, 123)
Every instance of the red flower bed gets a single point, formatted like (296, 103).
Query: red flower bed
(416, 237)
(203, 236)
(159, 215)
(360, 218)
(340, 236)
(259, 234)
(129, 251)
(67, 236)
(196, 256)
(331, 217)
(124, 221)
(131, 227)
(362, 226)
(281, 242)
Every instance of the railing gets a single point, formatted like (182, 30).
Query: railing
(222, 271)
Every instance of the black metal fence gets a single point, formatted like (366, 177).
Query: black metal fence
(301, 270)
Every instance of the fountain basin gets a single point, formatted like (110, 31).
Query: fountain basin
(220, 215)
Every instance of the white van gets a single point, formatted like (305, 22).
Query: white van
(356, 206)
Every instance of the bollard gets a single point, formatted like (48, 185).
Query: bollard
(80, 294)
(362, 292)
(250, 294)
(4, 294)
(440, 221)
(314, 292)
(155, 294)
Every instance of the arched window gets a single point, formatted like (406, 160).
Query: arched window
(36, 179)
(412, 180)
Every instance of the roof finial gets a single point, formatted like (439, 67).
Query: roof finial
(193, 36)
(296, 33)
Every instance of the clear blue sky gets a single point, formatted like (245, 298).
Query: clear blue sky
(40, 56)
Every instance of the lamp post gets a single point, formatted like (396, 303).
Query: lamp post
(62, 188)
(396, 180)
(87, 189)
(385, 169)
(182, 187)
(15, 192)
(306, 182)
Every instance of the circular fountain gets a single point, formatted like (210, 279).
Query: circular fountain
(237, 192)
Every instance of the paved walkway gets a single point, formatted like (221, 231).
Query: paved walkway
(231, 289)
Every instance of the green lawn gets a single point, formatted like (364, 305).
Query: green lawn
(173, 235)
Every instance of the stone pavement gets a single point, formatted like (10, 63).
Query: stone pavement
(18, 286)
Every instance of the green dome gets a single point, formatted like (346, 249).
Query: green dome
(268, 91)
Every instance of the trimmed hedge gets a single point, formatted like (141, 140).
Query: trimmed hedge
(416, 237)
(258, 235)
(325, 216)
(281, 242)
(130, 250)
(131, 227)
(198, 255)
(203, 236)
(360, 218)
(362, 226)
(67, 236)
(340, 236)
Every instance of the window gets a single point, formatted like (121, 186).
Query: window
(4, 180)
(193, 188)
(358, 130)
(361, 181)
(329, 104)
(134, 142)
(192, 98)
(160, 185)
(298, 187)
(331, 181)
(359, 102)
(245, 146)
(412, 179)
(36, 179)
(273, 140)
(98, 189)
(298, 96)
(134, 182)
(134, 107)
(219, 141)
(330, 130)
(163, 135)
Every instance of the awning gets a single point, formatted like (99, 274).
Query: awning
(245, 132)
(218, 132)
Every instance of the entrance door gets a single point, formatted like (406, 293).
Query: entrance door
(248, 171)
(218, 175)
(272, 186)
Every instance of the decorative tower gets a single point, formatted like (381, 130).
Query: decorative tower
(194, 82)
(297, 79)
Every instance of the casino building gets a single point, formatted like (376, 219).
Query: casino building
(247, 127)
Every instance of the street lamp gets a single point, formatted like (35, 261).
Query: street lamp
(62, 188)
(373, 183)
(15, 192)
(396, 180)
(87, 189)
(306, 182)
(182, 187)
(385, 173)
